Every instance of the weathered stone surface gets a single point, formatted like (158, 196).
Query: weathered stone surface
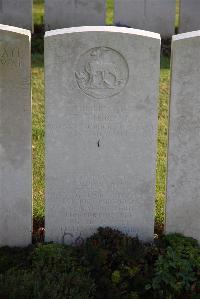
(189, 15)
(15, 137)
(101, 122)
(183, 188)
(16, 13)
(69, 13)
(153, 15)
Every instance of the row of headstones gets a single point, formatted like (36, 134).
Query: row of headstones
(153, 15)
(101, 123)
(158, 15)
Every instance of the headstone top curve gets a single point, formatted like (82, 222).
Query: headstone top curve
(186, 35)
(15, 30)
(112, 29)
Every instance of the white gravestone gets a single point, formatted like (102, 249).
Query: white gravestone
(16, 13)
(183, 188)
(101, 122)
(15, 137)
(189, 15)
(69, 13)
(153, 15)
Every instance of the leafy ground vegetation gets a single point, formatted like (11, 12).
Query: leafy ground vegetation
(108, 265)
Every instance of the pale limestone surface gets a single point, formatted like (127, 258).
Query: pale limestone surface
(153, 15)
(101, 124)
(69, 13)
(15, 137)
(16, 13)
(189, 15)
(183, 187)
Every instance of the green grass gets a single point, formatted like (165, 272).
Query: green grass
(38, 12)
(162, 141)
(38, 137)
(177, 13)
(110, 12)
(38, 128)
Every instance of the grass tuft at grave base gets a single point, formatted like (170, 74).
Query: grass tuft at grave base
(107, 265)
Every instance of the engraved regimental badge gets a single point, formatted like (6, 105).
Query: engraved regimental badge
(101, 72)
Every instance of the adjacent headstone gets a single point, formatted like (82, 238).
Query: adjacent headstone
(15, 137)
(16, 13)
(101, 122)
(183, 188)
(153, 15)
(189, 15)
(69, 13)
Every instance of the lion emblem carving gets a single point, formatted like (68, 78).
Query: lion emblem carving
(101, 72)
